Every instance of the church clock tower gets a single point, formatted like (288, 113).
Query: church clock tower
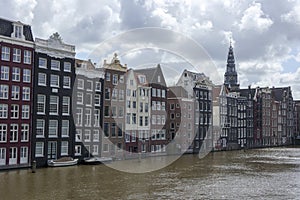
(230, 76)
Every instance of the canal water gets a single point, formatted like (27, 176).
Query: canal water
(255, 174)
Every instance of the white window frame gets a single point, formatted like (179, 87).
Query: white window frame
(4, 91)
(14, 130)
(64, 148)
(66, 105)
(67, 67)
(55, 65)
(5, 73)
(27, 57)
(25, 111)
(41, 104)
(53, 129)
(26, 75)
(16, 74)
(40, 146)
(53, 105)
(5, 54)
(16, 55)
(42, 61)
(14, 111)
(40, 128)
(67, 82)
(42, 79)
(3, 133)
(54, 80)
(65, 128)
(24, 132)
(26, 94)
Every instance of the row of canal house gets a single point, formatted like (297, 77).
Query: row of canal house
(53, 105)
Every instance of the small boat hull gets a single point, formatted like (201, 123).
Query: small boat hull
(64, 163)
(96, 160)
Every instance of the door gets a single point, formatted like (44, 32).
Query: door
(13, 154)
(24, 155)
(52, 150)
(2, 156)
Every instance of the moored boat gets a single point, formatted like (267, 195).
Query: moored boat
(96, 160)
(62, 162)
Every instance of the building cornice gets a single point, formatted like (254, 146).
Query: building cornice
(16, 41)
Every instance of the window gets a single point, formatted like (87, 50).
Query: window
(106, 129)
(39, 149)
(14, 112)
(3, 111)
(54, 80)
(163, 93)
(121, 95)
(3, 132)
(121, 79)
(141, 121)
(146, 107)
(2, 156)
(55, 65)
(114, 95)
(53, 128)
(96, 117)
(27, 57)
(80, 84)
(3, 91)
(79, 98)
(42, 78)
(113, 129)
(4, 73)
(87, 135)
(25, 111)
(88, 115)
(128, 104)
(172, 106)
(107, 76)
(77, 150)
(121, 111)
(18, 31)
(26, 75)
(153, 119)
(14, 132)
(66, 105)
(141, 106)
(158, 92)
(128, 116)
(154, 92)
(115, 79)
(16, 55)
(5, 55)
(53, 108)
(146, 120)
(42, 63)
(106, 111)
(113, 111)
(163, 105)
(24, 132)
(79, 116)
(158, 105)
(26, 94)
(40, 127)
(153, 105)
(89, 85)
(67, 82)
(95, 150)
(78, 135)
(16, 74)
(88, 99)
(133, 118)
(97, 99)
(98, 86)
(41, 102)
(64, 148)
(107, 93)
(65, 128)
(96, 136)
(67, 66)
(134, 104)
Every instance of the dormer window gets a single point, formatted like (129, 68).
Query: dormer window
(142, 79)
(158, 78)
(18, 30)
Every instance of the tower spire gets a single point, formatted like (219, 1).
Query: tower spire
(230, 76)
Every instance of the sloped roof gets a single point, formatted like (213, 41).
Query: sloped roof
(152, 73)
(6, 29)
(176, 92)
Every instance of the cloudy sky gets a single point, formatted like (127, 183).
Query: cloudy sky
(265, 34)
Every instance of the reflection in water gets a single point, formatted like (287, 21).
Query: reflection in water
(254, 174)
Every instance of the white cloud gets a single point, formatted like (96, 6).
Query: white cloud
(293, 16)
(254, 18)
